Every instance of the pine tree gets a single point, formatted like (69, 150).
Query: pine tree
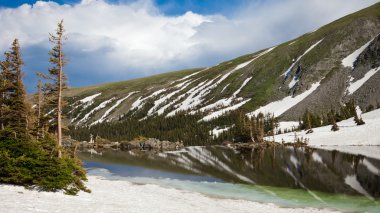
(19, 106)
(4, 90)
(53, 89)
(307, 124)
(14, 109)
(332, 120)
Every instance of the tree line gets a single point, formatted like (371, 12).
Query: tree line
(188, 128)
(311, 120)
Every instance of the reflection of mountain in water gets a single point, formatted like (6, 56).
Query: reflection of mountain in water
(306, 168)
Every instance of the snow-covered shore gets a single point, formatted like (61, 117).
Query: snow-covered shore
(350, 138)
(124, 196)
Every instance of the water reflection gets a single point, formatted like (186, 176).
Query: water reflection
(298, 168)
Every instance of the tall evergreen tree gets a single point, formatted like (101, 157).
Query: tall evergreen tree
(19, 106)
(14, 110)
(4, 90)
(57, 80)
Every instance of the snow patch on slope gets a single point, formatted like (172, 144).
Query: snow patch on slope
(228, 101)
(293, 82)
(87, 101)
(241, 87)
(89, 98)
(224, 88)
(101, 106)
(193, 99)
(350, 59)
(196, 95)
(357, 84)
(223, 102)
(299, 58)
(281, 106)
(103, 118)
(188, 76)
(139, 103)
(219, 113)
(163, 99)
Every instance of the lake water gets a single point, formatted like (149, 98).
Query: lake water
(286, 176)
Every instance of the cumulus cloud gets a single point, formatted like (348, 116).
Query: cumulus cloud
(118, 41)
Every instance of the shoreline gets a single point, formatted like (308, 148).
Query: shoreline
(124, 196)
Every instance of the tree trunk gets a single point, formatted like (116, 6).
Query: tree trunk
(59, 108)
(39, 102)
(2, 107)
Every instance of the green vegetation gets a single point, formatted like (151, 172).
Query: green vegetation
(311, 120)
(34, 164)
(182, 127)
(30, 152)
(178, 128)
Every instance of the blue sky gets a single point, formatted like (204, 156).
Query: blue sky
(169, 7)
(177, 7)
(111, 40)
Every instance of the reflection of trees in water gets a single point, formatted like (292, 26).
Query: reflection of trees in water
(353, 160)
(333, 156)
(257, 156)
(273, 156)
(308, 153)
(317, 169)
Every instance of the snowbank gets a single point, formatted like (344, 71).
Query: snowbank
(123, 196)
(349, 135)
(287, 125)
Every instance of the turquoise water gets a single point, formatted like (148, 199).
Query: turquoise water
(287, 177)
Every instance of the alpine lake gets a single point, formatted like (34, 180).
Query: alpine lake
(286, 176)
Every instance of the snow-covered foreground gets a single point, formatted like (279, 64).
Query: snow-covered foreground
(124, 196)
(348, 139)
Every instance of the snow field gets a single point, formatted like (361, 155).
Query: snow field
(349, 134)
(124, 196)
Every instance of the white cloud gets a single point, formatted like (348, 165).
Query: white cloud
(134, 39)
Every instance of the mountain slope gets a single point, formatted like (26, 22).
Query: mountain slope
(317, 71)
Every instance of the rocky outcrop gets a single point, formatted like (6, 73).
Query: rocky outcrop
(150, 144)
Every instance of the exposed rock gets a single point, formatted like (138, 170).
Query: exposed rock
(150, 144)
